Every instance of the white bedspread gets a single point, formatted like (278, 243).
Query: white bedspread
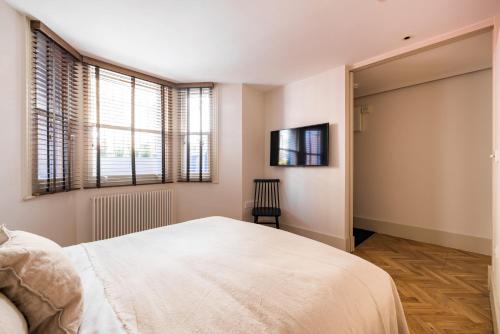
(218, 275)
(98, 316)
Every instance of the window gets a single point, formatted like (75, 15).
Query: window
(128, 129)
(313, 149)
(288, 147)
(197, 140)
(127, 122)
(54, 117)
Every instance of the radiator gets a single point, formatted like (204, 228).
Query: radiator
(118, 214)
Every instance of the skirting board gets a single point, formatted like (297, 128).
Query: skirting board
(324, 238)
(441, 238)
(494, 307)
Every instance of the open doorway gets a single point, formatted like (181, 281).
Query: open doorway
(422, 138)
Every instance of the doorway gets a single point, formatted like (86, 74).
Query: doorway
(420, 144)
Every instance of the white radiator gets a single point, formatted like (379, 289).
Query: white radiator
(118, 214)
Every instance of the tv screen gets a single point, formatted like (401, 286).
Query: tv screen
(305, 146)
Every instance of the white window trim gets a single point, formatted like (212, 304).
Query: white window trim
(215, 136)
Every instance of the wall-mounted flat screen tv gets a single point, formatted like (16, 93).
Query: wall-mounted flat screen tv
(305, 146)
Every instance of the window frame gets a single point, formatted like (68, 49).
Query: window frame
(62, 118)
(167, 174)
(213, 150)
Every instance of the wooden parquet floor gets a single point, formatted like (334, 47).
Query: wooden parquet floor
(443, 290)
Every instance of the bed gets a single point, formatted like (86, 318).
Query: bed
(219, 275)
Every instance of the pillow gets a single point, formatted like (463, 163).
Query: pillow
(4, 234)
(40, 280)
(11, 320)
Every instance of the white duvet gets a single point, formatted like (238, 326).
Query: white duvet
(219, 275)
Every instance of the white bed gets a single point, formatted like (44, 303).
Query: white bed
(219, 275)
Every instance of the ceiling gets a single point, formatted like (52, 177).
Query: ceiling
(463, 56)
(266, 42)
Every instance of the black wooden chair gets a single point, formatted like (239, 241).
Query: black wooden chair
(266, 201)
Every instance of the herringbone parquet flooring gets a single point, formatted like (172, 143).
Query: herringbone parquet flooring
(443, 290)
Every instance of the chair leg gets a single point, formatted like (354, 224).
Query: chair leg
(255, 219)
(277, 222)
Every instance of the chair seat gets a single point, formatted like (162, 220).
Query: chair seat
(266, 212)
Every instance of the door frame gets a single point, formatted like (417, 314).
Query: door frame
(443, 39)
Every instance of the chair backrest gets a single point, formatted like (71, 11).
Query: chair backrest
(267, 193)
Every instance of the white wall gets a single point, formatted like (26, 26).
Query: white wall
(54, 216)
(423, 159)
(495, 280)
(253, 144)
(65, 217)
(313, 198)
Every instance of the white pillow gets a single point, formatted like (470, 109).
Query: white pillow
(38, 277)
(11, 319)
(4, 234)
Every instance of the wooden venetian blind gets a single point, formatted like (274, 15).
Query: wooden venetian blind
(127, 129)
(54, 117)
(197, 135)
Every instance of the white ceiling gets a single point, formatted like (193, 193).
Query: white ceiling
(257, 41)
(463, 56)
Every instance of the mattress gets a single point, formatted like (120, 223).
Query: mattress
(219, 275)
